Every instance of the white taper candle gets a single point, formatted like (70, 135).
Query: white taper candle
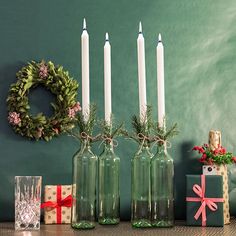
(85, 71)
(141, 74)
(160, 82)
(107, 80)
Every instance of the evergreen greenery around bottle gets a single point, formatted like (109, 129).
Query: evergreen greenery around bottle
(84, 128)
(151, 131)
(111, 131)
(162, 134)
(141, 127)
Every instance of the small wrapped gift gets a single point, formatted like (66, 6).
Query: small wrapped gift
(57, 205)
(220, 170)
(204, 200)
(214, 143)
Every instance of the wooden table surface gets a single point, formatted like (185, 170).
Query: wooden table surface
(123, 229)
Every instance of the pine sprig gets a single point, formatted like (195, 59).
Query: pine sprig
(142, 127)
(112, 130)
(164, 134)
(137, 125)
(84, 126)
(87, 126)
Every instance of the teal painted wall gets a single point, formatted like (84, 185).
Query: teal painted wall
(200, 45)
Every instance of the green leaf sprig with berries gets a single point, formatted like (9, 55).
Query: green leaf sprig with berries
(217, 156)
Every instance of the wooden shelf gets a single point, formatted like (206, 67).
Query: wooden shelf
(123, 229)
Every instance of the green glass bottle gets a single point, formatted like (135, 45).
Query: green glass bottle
(109, 189)
(162, 173)
(84, 188)
(141, 188)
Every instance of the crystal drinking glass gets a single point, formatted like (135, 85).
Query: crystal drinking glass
(27, 202)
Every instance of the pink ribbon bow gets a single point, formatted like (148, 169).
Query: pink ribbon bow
(210, 202)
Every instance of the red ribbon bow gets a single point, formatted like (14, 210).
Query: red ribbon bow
(66, 202)
(210, 202)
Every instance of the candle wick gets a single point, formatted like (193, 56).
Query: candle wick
(140, 27)
(84, 24)
(107, 37)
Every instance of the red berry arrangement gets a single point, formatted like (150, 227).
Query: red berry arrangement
(217, 156)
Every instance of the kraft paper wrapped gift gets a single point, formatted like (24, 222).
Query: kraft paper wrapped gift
(222, 170)
(57, 204)
(204, 198)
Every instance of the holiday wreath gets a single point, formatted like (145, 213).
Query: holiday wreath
(59, 83)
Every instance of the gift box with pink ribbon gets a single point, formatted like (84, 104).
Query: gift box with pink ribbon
(57, 204)
(204, 200)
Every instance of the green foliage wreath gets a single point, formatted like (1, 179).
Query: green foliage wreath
(59, 83)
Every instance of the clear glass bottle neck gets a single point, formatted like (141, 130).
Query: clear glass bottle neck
(162, 148)
(108, 146)
(85, 144)
(144, 144)
(144, 148)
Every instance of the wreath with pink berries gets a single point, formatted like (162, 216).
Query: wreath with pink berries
(58, 82)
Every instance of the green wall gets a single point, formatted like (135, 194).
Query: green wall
(200, 45)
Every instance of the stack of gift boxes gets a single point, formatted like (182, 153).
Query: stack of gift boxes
(207, 198)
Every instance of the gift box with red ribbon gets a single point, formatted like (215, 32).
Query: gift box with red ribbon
(57, 204)
(204, 200)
